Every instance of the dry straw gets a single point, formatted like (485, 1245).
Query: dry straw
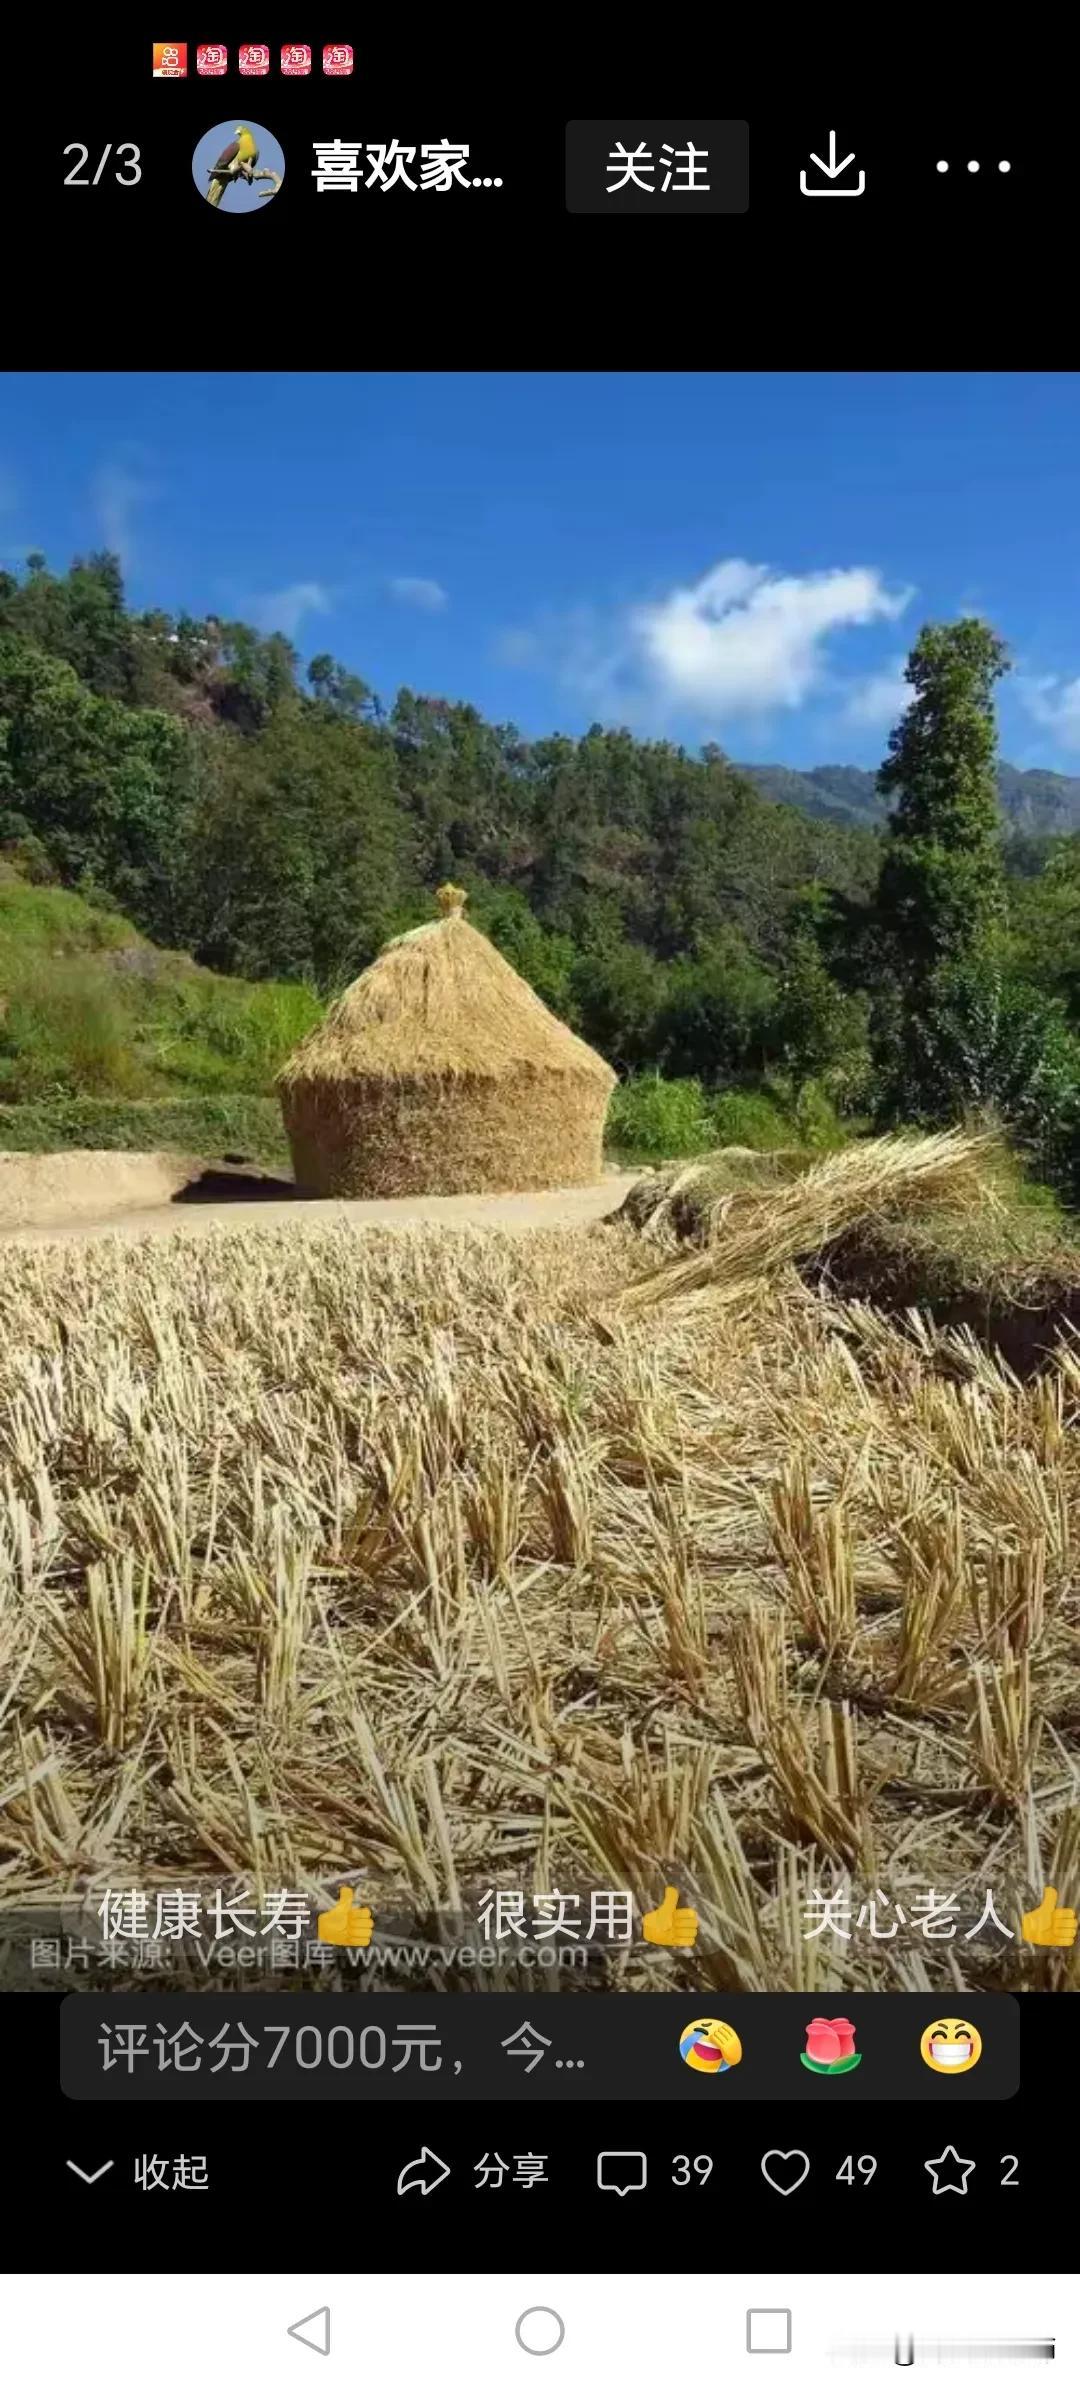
(440, 1072)
(749, 1232)
(325, 1550)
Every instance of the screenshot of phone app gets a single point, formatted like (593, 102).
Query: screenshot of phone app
(540, 1239)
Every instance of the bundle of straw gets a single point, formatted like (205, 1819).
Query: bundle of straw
(753, 1231)
(667, 1205)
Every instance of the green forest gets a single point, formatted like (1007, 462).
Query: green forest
(750, 968)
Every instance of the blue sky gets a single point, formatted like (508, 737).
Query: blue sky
(743, 557)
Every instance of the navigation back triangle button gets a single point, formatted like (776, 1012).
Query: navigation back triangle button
(313, 2330)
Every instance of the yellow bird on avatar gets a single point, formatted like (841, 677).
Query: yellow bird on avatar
(239, 156)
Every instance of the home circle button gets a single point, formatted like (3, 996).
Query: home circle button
(539, 2330)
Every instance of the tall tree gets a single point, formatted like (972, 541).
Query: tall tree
(941, 890)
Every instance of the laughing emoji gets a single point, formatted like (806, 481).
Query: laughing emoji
(950, 2046)
(710, 2047)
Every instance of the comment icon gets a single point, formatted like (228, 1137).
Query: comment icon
(621, 2170)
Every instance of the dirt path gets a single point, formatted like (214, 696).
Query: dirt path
(575, 1206)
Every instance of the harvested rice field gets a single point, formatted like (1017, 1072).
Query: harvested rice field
(454, 1559)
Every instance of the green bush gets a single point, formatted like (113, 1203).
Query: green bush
(670, 1119)
(66, 1030)
(249, 1125)
(809, 1114)
(213, 1032)
(990, 1045)
(660, 1119)
(758, 1120)
(543, 957)
(717, 1012)
(822, 1033)
(617, 994)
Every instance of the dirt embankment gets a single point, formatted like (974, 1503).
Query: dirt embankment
(49, 1189)
(1019, 1316)
(72, 1197)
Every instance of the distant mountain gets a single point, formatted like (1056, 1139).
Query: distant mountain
(831, 791)
(1042, 802)
(1039, 803)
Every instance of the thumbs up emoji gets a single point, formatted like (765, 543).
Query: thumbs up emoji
(1049, 1926)
(346, 1926)
(670, 1926)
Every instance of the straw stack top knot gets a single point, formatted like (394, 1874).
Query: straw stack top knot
(451, 900)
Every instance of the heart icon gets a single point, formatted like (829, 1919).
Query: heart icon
(785, 2169)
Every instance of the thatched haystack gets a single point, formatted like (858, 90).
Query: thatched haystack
(440, 1072)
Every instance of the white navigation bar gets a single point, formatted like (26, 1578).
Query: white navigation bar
(487, 2330)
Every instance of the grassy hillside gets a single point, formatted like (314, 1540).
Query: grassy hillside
(107, 1040)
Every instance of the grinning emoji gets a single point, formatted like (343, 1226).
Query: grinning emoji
(950, 2046)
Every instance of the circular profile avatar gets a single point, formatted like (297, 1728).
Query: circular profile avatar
(238, 167)
(710, 2047)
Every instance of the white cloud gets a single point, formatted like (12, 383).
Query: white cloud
(427, 595)
(285, 609)
(1055, 704)
(743, 640)
(746, 640)
(878, 701)
(119, 492)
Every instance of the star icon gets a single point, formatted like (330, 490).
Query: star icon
(949, 2171)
